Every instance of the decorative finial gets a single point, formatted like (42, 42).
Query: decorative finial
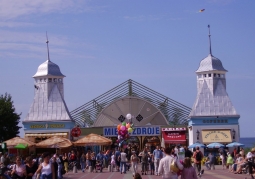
(47, 42)
(210, 49)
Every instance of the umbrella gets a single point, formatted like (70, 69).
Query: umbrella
(215, 145)
(11, 143)
(21, 146)
(235, 144)
(55, 142)
(197, 144)
(93, 140)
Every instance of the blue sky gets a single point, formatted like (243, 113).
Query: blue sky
(99, 44)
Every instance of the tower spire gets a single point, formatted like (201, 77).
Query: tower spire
(210, 49)
(47, 42)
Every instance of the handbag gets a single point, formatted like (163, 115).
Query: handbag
(173, 167)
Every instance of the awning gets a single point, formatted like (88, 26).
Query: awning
(46, 134)
(221, 136)
(174, 137)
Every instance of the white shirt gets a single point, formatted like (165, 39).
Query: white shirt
(123, 157)
(249, 156)
(164, 166)
(46, 169)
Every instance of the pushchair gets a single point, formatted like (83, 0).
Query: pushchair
(99, 166)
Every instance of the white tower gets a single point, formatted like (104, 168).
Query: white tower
(212, 98)
(49, 103)
(213, 117)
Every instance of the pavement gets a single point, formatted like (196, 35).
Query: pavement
(218, 173)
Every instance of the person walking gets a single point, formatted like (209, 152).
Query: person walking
(144, 160)
(65, 160)
(158, 154)
(165, 163)
(46, 169)
(19, 170)
(198, 156)
(250, 157)
(188, 171)
(134, 161)
(117, 159)
(30, 168)
(123, 161)
(82, 162)
(210, 163)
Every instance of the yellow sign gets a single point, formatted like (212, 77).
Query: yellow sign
(40, 126)
(223, 136)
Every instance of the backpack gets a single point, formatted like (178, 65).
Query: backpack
(198, 156)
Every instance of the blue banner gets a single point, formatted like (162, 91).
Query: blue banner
(139, 131)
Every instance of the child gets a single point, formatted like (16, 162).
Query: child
(113, 164)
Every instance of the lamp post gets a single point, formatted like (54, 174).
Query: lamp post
(234, 133)
(198, 134)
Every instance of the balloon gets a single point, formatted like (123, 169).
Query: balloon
(130, 130)
(117, 141)
(118, 127)
(123, 123)
(124, 146)
(119, 136)
(127, 125)
(119, 144)
(119, 132)
(122, 128)
(128, 116)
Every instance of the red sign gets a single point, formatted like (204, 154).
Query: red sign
(174, 136)
(76, 132)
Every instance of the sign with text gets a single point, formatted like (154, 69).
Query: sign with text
(139, 131)
(210, 136)
(46, 126)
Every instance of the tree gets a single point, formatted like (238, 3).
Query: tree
(9, 119)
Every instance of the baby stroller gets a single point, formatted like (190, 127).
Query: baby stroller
(99, 166)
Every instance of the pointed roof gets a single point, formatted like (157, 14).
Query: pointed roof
(55, 142)
(213, 104)
(11, 143)
(48, 109)
(48, 69)
(210, 63)
(92, 140)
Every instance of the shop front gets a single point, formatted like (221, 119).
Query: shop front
(147, 136)
(174, 136)
(39, 131)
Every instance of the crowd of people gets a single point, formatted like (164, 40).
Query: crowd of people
(169, 163)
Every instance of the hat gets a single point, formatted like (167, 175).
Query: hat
(253, 149)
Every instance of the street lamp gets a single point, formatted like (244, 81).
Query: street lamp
(198, 134)
(234, 133)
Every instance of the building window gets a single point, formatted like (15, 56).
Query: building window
(59, 79)
(40, 79)
(219, 75)
(209, 75)
(45, 80)
(55, 79)
(223, 76)
(199, 76)
(204, 75)
(50, 79)
(214, 75)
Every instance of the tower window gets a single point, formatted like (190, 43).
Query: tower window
(209, 75)
(40, 79)
(214, 75)
(55, 79)
(223, 76)
(50, 79)
(45, 80)
(205, 75)
(59, 79)
(219, 75)
(199, 76)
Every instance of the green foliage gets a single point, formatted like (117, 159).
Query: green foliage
(9, 119)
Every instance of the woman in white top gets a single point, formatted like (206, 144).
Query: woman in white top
(165, 163)
(134, 160)
(18, 169)
(46, 168)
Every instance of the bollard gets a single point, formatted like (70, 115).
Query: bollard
(109, 168)
(90, 169)
(74, 169)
